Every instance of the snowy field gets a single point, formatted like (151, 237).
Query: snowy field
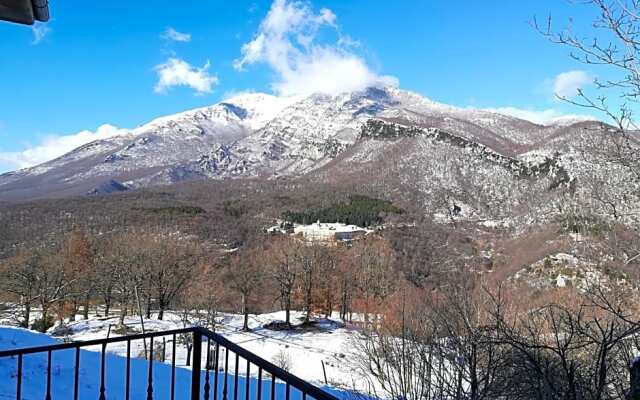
(305, 351)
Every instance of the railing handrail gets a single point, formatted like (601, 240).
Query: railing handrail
(199, 333)
(93, 342)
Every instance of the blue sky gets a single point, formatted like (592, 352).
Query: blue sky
(123, 62)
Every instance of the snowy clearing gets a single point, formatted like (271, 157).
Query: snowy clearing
(304, 350)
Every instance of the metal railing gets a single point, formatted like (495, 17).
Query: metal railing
(213, 381)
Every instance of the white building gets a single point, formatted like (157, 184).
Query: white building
(327, 232)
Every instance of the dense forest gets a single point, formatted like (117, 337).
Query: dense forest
(358, 210)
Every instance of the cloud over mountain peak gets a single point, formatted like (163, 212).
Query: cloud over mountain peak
(287, 41)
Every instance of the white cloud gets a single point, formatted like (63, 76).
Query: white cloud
(542, 117)
(54, 146)
(40, 31)
(566, 84)
(348, 41)
(286, 42)
(176, 72)
(172, 34)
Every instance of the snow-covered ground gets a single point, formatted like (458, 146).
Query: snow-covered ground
(35, 367)
(329, 342)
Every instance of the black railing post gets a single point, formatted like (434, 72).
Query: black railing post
(48, 396)
(196, 365)
(102, 372)
(76, 375)
(19, 378)
(634, 392)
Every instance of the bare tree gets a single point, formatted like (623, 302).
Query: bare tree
(78, 259)
(308, 264)
(123, 262)
(19, 278)
(106, 272)
(201, 300)
(168, 266)
(372, 261)
(577, 347)
(434, 347)
(281, 257)
(283, 360)
(330, 282)
(396, 357)
(53, 284)
(615, 44)
(244, 276)
(346, 285)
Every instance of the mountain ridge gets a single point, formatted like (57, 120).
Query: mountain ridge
(260, 135)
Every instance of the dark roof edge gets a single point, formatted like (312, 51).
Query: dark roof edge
(40, 10)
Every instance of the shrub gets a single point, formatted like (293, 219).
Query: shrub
(234, 209)
(159, 352)
(123, 330)
(584, 224)
(42, 324)
(283, 360)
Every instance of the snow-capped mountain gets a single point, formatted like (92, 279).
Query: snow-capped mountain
(259, 135)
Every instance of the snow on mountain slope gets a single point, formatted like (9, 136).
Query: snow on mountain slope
(439, 171)
(257, 134)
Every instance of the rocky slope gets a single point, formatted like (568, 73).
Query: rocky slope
(484, 165)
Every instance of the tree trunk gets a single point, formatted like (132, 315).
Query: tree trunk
(189, 355)
(148, 308)
(123, 314)
(161, 312)
(45, 312)
(287, 315)
(307, 300)
(74, 311)
(344, 306)
(459, 386)
(634, 392)
(287, 310)
(85, 309)
(27, 314)
(329, 309)
(474, 377)
(245, 311)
